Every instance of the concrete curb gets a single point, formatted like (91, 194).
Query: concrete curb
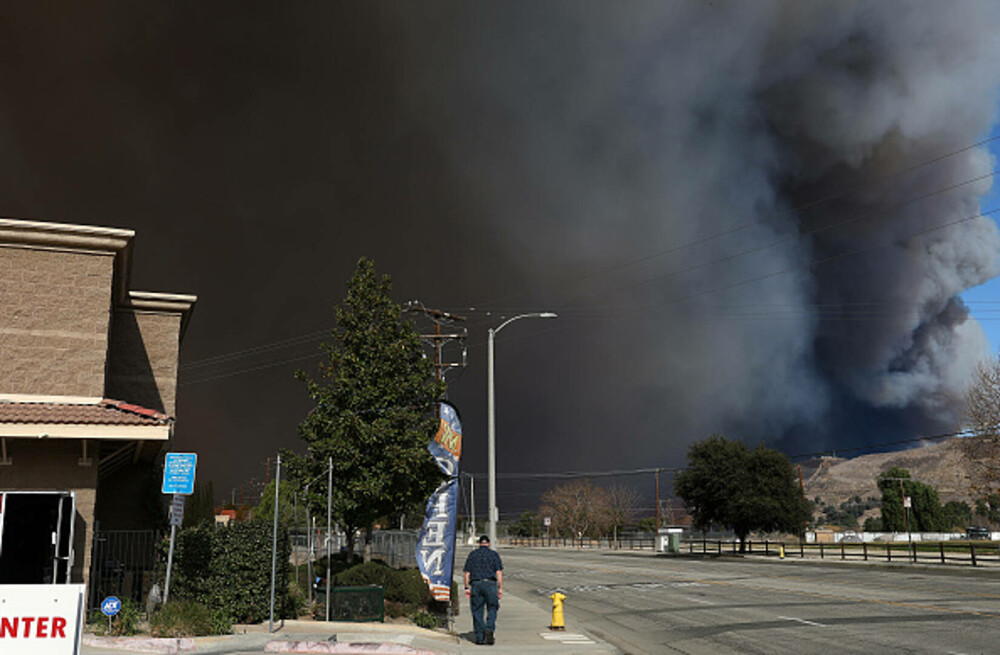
(340, 647)
(170, 646)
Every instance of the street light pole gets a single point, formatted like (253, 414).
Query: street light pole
(491, 463)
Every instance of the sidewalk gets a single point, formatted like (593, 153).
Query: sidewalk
(522, 628)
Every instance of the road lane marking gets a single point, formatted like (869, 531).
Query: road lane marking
(697, 600)
(792, 618)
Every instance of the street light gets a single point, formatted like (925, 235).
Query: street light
(494, 513)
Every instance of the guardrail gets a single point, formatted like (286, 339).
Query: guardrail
(975, 553)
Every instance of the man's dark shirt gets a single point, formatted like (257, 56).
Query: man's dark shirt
(483, 564)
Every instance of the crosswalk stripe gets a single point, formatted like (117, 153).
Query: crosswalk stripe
(566, 637)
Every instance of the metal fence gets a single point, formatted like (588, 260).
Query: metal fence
(397, 548)
(983, 553)
(636, 541)
(123, 564)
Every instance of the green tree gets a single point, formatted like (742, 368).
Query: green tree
(926, 513)
(988, 508)
(873, 524)
(374, 411)
(528, 525)
(287, 505)
(199, 507)
(956, 515)
(729, 485)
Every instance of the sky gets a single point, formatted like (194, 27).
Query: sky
(984, 300)
(756, 219)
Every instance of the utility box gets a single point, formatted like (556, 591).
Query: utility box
(668, 540)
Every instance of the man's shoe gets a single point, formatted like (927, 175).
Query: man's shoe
(489, 638)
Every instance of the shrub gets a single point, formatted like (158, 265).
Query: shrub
(187, 618)
(123, 624)
(230, 568)
(405, 591)
(425, 620)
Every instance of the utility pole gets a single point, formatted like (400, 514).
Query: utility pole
(438, 339)
(657, 531)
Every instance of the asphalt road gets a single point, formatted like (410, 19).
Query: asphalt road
(643, 603)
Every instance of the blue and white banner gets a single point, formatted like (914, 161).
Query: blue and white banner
(436, 545)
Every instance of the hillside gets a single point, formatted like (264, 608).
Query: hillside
(942, 465)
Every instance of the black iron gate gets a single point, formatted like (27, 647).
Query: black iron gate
(123, 564)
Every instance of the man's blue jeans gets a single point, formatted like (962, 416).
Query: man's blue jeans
(483, 594)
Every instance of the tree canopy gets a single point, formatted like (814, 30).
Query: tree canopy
(926, 513)
(374, 410)
(729, 485)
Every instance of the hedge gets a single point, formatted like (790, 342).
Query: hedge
(229, 568)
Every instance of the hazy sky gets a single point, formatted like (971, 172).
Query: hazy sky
(754, 218)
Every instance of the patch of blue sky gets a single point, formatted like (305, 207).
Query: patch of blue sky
(984, 300)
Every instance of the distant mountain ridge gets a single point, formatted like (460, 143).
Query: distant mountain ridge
(943, 465)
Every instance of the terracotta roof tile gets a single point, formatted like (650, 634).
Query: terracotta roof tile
(107, 412)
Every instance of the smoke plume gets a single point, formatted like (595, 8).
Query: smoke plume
(772, 187)
(752, 217)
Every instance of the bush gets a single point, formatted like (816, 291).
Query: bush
(123, 624)
(405, 591)
(401, 585)
(230, 568)
(425, 620)
(187, 618)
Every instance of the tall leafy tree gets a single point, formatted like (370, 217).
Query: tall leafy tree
(729, 485)
(199, 507)
(374, 411)
(926, 513)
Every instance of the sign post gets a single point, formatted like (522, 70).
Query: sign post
(109, 607)
(178, 479)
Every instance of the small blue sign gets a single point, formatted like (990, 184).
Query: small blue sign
(110, 606)
(178, 473)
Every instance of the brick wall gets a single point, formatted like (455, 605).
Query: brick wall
(54, 312)
(142, 366)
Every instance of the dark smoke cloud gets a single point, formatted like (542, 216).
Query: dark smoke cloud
(650, 171)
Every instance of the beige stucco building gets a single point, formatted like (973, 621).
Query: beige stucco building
(88, 388)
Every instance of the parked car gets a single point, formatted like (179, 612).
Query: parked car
(977, 532)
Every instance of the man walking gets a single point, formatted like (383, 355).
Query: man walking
(484, 588)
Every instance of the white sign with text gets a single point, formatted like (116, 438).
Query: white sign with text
(41, 619)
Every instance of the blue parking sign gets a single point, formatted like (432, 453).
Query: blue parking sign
(110, 606)
(178, 473)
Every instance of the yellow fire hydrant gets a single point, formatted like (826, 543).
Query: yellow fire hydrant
(558, 622)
